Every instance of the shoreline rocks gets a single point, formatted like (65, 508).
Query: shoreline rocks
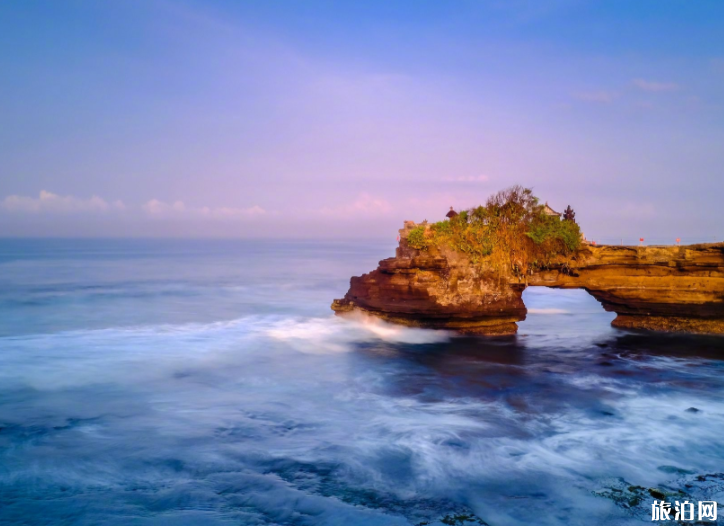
(669, 288)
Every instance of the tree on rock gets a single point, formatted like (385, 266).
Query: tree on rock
(569, 214)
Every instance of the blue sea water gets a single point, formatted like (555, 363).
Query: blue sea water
(147, 382)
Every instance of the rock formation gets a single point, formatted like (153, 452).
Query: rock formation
(666, 288)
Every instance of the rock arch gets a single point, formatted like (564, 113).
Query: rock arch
(666, 288)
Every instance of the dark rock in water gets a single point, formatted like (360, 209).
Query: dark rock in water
(637, 500)
(674, 469)
(456, 519)
(602, 345)
(657, 494)
(462, 520)
(668, 288)
(693, 410)
(625, 495)
(712, 477)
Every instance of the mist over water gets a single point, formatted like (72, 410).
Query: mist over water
(207, 382)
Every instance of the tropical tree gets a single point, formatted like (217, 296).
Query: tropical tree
(569, 214)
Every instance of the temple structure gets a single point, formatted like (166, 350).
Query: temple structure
(547, 210)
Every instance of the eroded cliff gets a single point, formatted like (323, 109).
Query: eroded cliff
(672, 288)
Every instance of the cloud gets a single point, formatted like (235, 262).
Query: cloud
(600, 97)
(231, 213)
(466, 179)
(48, 202)
(655, 87)
(607, 97)
(54, 203)
(178, 209)
(155, 207)
(364, 205)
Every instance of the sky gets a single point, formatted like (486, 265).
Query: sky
(224, 118)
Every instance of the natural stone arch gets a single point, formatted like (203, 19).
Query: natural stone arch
(670, 288)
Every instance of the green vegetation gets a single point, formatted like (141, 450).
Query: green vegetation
(416, 238)
(511, 233)
(552, 229)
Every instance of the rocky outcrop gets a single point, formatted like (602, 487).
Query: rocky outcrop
(671, 288)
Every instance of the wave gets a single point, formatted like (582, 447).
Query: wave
(322, 335)
(273, 415)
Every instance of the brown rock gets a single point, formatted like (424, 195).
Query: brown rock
(667, 288)
(671, 288)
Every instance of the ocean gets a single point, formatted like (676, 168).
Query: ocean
(190, 382)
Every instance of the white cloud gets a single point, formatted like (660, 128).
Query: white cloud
(231, 213)
(655, 87)
(50, 202)
(601, 96)
(178, 209)
(607, 97)
(155, 207)
(365, 204)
